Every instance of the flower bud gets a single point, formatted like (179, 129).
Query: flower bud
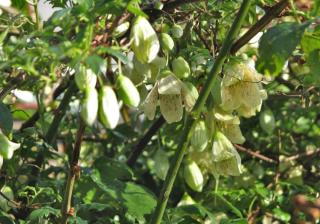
(158, 5)
(167, 42)
(180, 68)
(109, 113)
(145, 43)
(89, 106)
(121, 29)
(7, 147)
(127, 91)
(177, 31)
(85, 78)
(193, 176)
(199, 138)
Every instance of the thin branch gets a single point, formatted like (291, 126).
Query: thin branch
(272, 13)
(255, 154)
(33, 119)
(309, 153)
(137, 150)
(74, 172)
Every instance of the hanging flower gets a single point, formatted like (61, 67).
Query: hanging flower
(241, 90)
(145, 43)
(228, 124)
(7, 147)
(226, 160)
(171, 94)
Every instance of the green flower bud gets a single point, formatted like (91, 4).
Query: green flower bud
(166, 41)
(85, 78)
(158, 5)
(121, 29)
(89, 106)
(267, 121)
(127, 91)
(193, 176)
(177, 31)
(199, 138)
(109, 113)
(7, 147)
(180, 68)
(145, 43)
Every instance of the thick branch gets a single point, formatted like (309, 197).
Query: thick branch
(74, 172)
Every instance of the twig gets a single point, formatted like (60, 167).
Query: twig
(255, 154)
(12, 84)
(59, 113)
(137, 150)
(33, 119)
(272, 13)
(17, 204)
(216, 69)
(74, 172)
(309, 153)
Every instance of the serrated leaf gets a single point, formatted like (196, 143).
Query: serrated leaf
(135, 199)
(277, 44)
(6, 121)
(43, 212)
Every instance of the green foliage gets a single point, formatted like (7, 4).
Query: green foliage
(268, 123)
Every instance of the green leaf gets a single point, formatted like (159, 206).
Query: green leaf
(277, 44)
(135, 199)
(310, 42)
(236, 211)
(114, 51)
(6, 121)
(5, 220)
(3, 35)
(111, 169)
(96, 64)
(134, 8)
(282, 215)
(77, 220)
(42, 213)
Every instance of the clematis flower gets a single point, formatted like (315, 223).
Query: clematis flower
(171, 94)
(241, 90)
(226, 160)
(228, 124)
(145, 43)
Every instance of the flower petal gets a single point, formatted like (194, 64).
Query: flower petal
(171, 107)
(149, 106)
(169, 85)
